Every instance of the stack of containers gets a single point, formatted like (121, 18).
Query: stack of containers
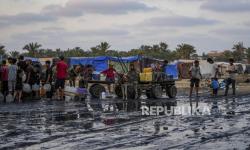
(147, 74)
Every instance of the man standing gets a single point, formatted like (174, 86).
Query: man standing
(4, 79)
(12, 75)
(215, 68)
(110, 76)
(48, 78)
(21, 63)
(133, 78)
(232, 76)
(61, 75)
(195, 74)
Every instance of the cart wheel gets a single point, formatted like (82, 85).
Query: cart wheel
(172, 91)
(96, 89)
(118, 91)
(157, 92)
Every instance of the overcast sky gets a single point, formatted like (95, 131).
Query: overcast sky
(125, 24)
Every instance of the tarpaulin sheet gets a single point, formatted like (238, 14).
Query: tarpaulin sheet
(125, 59)
(32, 59)
(99, 63)
(172, 70)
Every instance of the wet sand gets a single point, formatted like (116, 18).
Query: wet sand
(87, 125)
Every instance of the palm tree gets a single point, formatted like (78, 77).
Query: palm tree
(32, 48)
(14, 54)
(2, 51)
(239, 51)
(103, 47)
(185, 50)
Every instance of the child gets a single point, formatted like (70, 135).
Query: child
(215, 86)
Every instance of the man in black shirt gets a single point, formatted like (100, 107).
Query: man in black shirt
(21, 63)
(48, 78)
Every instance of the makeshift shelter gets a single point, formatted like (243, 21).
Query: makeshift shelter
(43, 60)
(99, 63)
(121, 64)
(32, 59)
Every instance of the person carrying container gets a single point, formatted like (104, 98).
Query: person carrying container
(195, 74)
(215, 68)
(231, 70)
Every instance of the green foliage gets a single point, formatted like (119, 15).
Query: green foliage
(14, 54)
(3, 51)
(239, 51)
(185, 51)
(248, 54)
(159, 51)
(33, 49)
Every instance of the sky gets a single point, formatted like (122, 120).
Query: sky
(125, 24)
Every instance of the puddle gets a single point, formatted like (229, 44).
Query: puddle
(111, 124)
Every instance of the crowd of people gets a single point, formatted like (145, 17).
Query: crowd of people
(21, 78)
(18, 75)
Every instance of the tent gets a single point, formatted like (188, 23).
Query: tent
(116, 61)
(99, 63)
(32, 59)
(43, 60)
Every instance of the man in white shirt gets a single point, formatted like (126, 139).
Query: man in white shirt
(195, 74)
(232, 76)
(215, 69)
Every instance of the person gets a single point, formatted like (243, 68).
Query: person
(215, 68)
(195, 74)
(4, 79)
(110, 75)
(133, 78)
(73, 73)
(19, 84)
(87, 74)
(164, 65)
(157, 72)
(61, 75)
(21, 63)
(124, 87)
(37, 79)
(215, 86)
(48, 78)
(231, 70)
(30, 74)
(12, 75)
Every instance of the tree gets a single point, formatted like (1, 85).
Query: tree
(204, 55)
(239, 51)
(163, 47)
(100, 49)
(14, 54)
(248, 54)
(32, 48)
(226, 55)
(184, 51)
(3, 51)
